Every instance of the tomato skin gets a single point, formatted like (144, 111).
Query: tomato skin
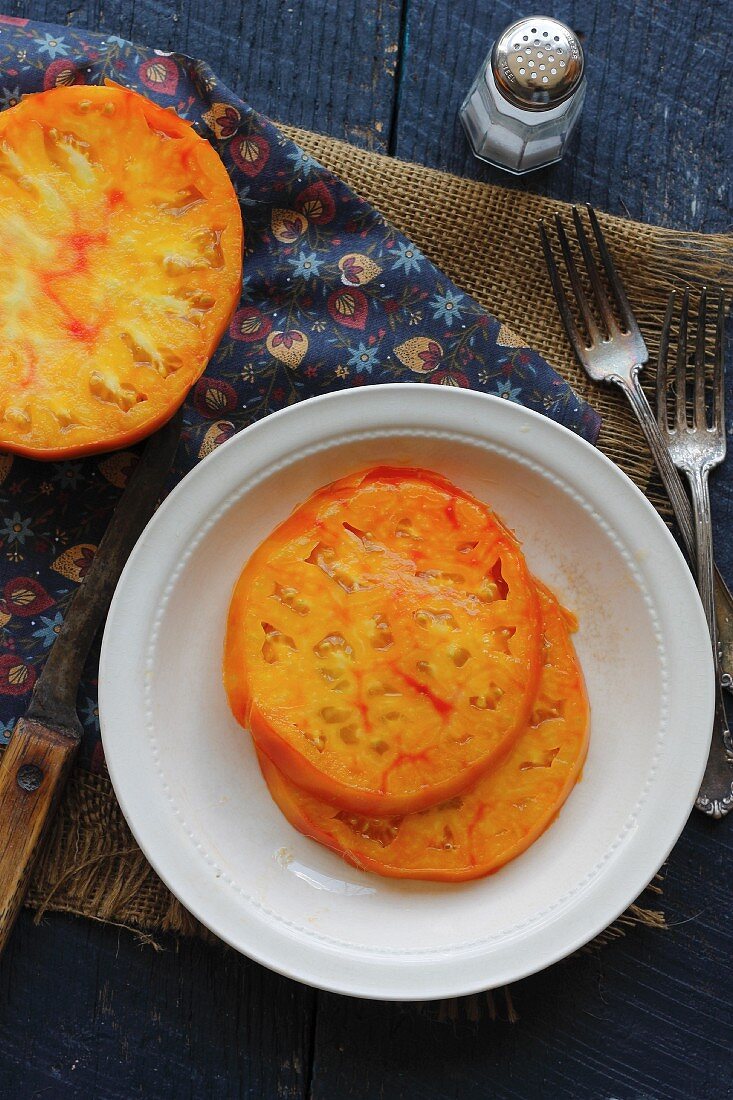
(426, 668)
(105, 335)
(501, 796)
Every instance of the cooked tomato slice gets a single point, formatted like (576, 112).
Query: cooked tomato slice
(121, 252)
(383, 643)
(477, 832)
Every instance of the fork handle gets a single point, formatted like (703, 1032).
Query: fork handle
(716, 792)
(723, 600)
(672, 480)
(698, 479)
(715, 797)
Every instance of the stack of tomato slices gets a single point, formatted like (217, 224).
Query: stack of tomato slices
(412, 691)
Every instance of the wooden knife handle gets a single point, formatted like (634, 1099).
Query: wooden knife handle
(33, 772)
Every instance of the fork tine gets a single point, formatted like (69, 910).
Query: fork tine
(718, 373)
(700, 413)
(560, 297)
(602, 302)
(662, 418)
(591, 325)
(627, 316)
(681, 367)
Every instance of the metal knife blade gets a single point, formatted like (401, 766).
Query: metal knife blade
(54, 697)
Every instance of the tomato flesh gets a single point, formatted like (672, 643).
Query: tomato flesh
(383, 644)
(479, 831)
(121, 250)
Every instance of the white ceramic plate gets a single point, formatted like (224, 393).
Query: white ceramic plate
(186, 774)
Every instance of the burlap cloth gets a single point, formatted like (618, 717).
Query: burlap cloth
(485, 239)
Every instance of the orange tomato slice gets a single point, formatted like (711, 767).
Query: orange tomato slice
(477, 832)
(383, 643)
(121, 252)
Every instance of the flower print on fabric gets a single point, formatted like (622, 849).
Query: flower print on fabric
(332, 296)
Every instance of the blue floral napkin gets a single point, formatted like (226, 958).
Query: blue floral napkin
(333, 297)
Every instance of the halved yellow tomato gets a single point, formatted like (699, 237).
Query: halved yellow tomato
(383, 643)
(479, 831)
(121, 253)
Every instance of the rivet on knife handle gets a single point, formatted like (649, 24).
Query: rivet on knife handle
(33, 773)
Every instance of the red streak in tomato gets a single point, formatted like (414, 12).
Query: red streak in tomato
(475, 821)
(115, 198)
(77, 328)
(361, 705)
(402, 758)
(46, 278)
(443, 708)
(80, 243)
(82, 331)
(450, 512)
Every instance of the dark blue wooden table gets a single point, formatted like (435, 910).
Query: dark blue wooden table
(84, 1009)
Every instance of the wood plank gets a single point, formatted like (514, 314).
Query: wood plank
(647, 1016)
(654, 139)
(86, 1011)
(327, 65)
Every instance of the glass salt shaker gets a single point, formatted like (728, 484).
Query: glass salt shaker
(527, 97)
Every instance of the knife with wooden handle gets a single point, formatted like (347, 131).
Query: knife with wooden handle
(43, 746)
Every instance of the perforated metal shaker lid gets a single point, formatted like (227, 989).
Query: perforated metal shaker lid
(537, 63)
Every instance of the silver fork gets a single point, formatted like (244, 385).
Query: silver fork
(696, 444)
(612, 349)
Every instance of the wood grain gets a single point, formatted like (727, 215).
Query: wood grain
(654, 138)
(86, 1010)
(89, 1012)
(326, 65)
(33, 771)
(648, 1017)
